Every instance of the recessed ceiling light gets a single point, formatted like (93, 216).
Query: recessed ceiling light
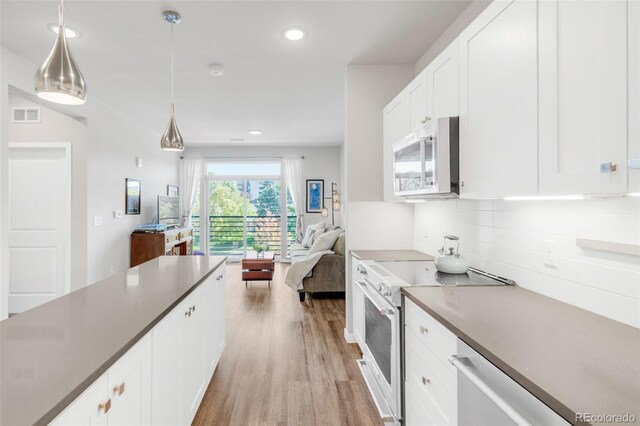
(294, 34)
(69, 32)
(216, 70)
(255, 132)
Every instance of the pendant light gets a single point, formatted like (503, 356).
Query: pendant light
(59, 80)
(172, 139)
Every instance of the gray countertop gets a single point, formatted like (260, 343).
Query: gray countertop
(571, 359)
(50, 354)
(390, 255)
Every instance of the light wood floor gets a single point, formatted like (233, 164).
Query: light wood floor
(285, 362)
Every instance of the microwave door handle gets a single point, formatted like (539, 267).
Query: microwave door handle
(485, 389)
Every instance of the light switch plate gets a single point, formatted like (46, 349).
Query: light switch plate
(97, 221)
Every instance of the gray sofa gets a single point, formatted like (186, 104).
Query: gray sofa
(329, 273)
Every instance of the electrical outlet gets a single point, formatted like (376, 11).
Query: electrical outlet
(97, 221)
(550, 257)
(117, 214)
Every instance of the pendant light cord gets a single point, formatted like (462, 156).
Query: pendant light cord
(61, 14)
(172, 72)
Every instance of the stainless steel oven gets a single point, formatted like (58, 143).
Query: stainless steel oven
(380, 363)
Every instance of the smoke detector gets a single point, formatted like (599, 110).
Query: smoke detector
(216, 70)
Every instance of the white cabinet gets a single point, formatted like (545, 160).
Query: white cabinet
(161, 380)
(395, 125)
(90, 408)
(443, 83)
(166, 350)
(121, 396)
(430, 380)
(130, 386)
(358, 305)
(634, 97)
(583, 97)
(418, 97)
(498, 102)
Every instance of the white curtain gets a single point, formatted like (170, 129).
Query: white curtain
(295, 187)
(190, 174)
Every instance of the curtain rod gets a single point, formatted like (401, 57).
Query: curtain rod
(250, 158)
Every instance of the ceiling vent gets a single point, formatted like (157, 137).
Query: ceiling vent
(26, 115)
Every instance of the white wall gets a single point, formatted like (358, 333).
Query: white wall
(57, 127)
(508, 238)
(114, 142)
(370, 222)
(460, 23)
(319, 163)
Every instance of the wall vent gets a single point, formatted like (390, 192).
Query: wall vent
(26, 115)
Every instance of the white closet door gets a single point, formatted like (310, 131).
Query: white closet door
(39, 223)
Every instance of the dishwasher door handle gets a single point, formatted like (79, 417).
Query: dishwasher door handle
(504, 406)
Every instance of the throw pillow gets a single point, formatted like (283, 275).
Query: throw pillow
(325, 241)
(314, 237)
(307, 236)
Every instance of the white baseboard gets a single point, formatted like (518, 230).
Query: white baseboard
(349, 337)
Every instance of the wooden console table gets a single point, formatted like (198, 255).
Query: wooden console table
(258, 268)
(149, 245)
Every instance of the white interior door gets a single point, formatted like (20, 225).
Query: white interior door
(39, 223)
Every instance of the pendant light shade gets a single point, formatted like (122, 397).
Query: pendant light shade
(172, 139)
(59, 80)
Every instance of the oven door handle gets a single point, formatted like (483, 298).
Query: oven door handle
(503, 405)
(383, 311)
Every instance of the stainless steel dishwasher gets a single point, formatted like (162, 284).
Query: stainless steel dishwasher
(487, 396)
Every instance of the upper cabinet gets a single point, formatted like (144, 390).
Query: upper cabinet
(634, 97)
(396, 124)
(498, 102)
(583, 96)
(432, 94)
(443, 83)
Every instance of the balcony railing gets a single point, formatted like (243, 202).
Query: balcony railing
(226, 233)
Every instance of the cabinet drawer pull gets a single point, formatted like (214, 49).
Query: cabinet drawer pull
(104, 407)
(425, 381)
(118, 389)
(423, 330)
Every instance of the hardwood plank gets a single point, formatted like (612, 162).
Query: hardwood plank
(286, 362)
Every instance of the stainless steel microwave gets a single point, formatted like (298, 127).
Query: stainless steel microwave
(427, 162)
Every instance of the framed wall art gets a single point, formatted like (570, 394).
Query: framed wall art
(315, 195)
(132, 196)
(173, 191)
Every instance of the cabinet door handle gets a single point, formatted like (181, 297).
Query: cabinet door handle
(425, 381)
(608, 167)
(118, 389)
(105, 406)
(424, 330)
(193, 308)
(187, 313)
(426, 119)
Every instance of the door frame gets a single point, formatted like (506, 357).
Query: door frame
(66, 146)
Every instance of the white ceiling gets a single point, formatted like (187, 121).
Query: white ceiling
(293, 91)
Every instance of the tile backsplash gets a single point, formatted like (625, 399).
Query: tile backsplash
(510, 238)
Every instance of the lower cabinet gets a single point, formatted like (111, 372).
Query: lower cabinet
(430, 380)
(121, 396)
(162, 379)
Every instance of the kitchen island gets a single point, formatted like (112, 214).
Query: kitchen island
(62, 350)
(576, 362)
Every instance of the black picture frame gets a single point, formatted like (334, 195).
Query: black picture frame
(133, 191)
(315, 195)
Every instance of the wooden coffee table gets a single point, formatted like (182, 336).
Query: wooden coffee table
(258, 268)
